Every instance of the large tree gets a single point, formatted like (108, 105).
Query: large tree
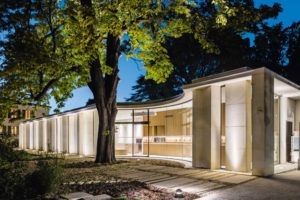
(234, 49)
(51, 47)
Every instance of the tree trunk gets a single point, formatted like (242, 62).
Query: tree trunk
(104, 89)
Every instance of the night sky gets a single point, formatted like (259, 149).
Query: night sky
(129, 70)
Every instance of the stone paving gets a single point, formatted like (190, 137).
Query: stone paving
(284, 186)
(196, 181)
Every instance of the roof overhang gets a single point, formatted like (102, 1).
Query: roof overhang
(282, 87)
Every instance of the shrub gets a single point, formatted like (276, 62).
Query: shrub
(46, 180)
(8, 154)
(19, 180)
(12, 181)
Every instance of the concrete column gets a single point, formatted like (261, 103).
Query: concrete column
(237, 130)
(31, 143)
(36, 135)
(86, 133)
(81, 132)
(297, 121)
(73, 134)
(21, 136)
(59, 134)
(25, 136)
(45, 136)
(206, 127)
(283, 120)
(262, 123)
(65, 134)
(41, 135)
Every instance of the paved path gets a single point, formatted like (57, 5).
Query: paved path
(198, 181)
(285, 186)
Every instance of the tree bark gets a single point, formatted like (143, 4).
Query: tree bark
(104, 89)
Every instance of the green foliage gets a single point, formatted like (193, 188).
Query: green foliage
(227, 48)
(19, 182)
(8, 154)
(62, 39)
(53, 47)
(45, 180)
(12, 181)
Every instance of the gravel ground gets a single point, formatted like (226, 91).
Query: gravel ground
(89, 177)
(131, 190)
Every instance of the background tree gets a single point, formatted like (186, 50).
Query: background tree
(293, 52)
(52, 47)
(233, 49)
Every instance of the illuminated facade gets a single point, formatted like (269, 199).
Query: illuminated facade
(243, 120)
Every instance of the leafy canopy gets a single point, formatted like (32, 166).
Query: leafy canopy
(49, 45)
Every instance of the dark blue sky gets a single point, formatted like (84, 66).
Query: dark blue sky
(129, 70)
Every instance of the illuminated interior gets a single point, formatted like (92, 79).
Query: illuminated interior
(164, 131)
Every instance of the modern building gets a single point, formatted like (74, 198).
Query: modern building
(19, 114)
(245, 120)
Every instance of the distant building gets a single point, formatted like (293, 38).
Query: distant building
(17, 115)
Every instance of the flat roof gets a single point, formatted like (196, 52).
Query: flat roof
(234, 74)
(186, 96)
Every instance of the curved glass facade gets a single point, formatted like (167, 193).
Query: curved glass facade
(163, 131)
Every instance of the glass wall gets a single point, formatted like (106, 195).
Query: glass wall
(164, 131)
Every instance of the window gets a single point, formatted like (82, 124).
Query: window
(14, 130)
(27, 114)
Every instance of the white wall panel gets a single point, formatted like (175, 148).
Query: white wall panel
(21, 132)
(59, 135)
(41, 135)
(65, 134)
(36, 135)
(236, 126)
(86, 133)
(45, 135)
(73, 134)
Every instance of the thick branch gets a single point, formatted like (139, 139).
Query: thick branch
(112, 58)
(44, 91)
